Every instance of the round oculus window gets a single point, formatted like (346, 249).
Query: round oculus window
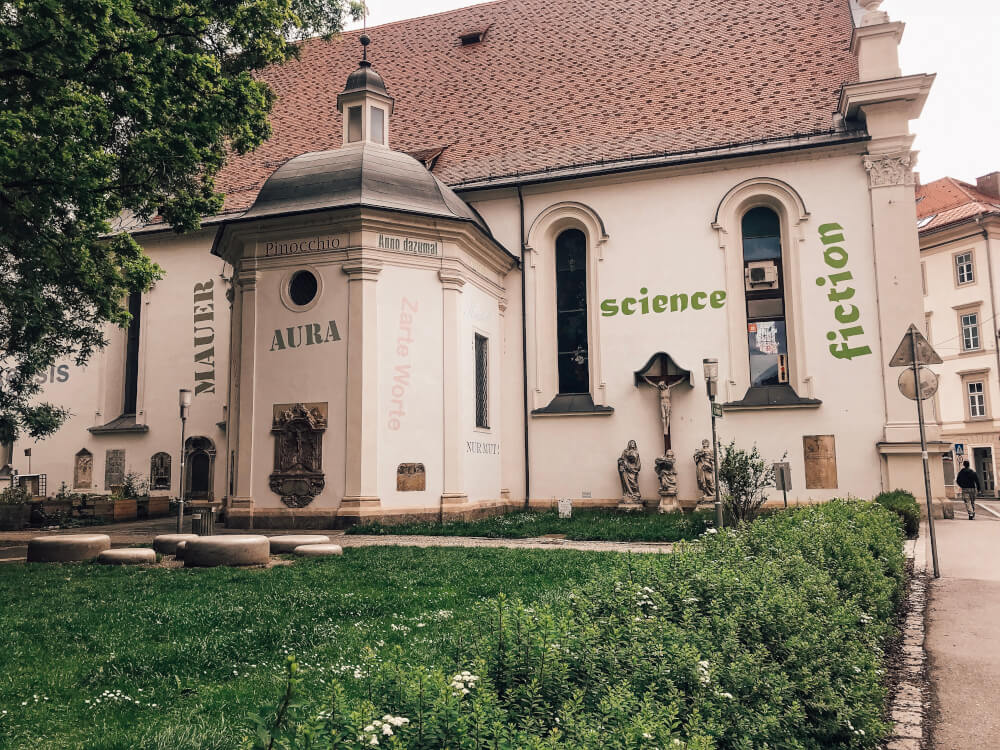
(302, 288)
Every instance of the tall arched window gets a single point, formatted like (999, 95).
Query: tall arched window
(571, 312)
(767, 336)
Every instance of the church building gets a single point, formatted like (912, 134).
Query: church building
(482, 260)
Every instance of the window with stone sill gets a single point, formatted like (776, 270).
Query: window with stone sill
(572, 348)
(964, 270)
(970, 331)
(977, 399)
(767, 334)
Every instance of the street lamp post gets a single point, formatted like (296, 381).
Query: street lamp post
(712, 386)
(184, 400)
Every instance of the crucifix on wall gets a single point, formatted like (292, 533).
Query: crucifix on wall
(663, 374)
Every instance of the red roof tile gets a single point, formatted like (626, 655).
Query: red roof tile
(563, 82)
(947, 201)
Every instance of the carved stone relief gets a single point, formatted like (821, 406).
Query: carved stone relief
(411, 478)
(114, 468)
(889, 169)
(298, 452)
(83, 470)
(159, 471)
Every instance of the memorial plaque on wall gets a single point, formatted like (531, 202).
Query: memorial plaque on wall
(411, 478)
(114, 468)
(820, 461)
(298, 452)
(83, 470)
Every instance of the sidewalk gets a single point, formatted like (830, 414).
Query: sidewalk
(963, 631)
(14, 544)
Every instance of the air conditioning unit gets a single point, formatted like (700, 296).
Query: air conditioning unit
(760, 275)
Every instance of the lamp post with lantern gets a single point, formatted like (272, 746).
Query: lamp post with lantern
(184, 400)
(712, 386)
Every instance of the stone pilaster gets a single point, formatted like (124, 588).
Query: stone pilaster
(454, 457)
(361, 486)
(242, 384)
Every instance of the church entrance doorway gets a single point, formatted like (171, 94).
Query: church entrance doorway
(200, 469)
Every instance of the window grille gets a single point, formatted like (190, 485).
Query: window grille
(970, 331)
(977, 400)
(482, 354)
(963, 267)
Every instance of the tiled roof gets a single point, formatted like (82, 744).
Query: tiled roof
(563, 82)
(947, 201)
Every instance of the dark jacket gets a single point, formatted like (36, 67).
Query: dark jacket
(968, 479)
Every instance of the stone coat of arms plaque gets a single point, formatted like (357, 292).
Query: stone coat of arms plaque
(298, 452)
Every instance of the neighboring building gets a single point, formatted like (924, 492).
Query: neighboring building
(582, 199)
(959, 228)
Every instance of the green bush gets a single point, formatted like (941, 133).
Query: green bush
(15, 495)
(771, 636)
(905, 505)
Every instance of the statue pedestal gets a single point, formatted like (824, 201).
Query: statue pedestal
(668, 502)
(630, 504)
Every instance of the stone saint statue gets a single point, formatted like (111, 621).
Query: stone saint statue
(704, 462)
(665, 405)
(629, 466)
(666, 472)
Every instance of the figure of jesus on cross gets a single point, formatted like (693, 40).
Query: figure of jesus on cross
(664, 385)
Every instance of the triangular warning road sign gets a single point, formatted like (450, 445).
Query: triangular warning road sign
(904, 352)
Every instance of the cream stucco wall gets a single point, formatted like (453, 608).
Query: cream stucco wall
(167, 351)
(660, 236)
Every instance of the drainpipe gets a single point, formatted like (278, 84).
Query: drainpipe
(993, 303)
(524, 356)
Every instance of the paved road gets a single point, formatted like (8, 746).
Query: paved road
(13, 544)
(963, 631)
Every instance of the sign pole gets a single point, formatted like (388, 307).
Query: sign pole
(923, 449)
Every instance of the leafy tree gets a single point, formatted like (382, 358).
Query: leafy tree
(743, 479)
(116, 108)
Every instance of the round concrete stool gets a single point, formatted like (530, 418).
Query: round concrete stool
(319, 550)
(236, 549)
(67, 548)
(179, 549)
(128, 556)
(166, 544)
(285, 544)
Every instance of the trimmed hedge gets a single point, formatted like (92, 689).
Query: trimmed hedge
(905, 505)
(767, 637)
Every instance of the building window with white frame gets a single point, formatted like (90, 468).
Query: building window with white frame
(977, 399)
(482, 355)
(970, 331)
(964, 271)
(573, 348)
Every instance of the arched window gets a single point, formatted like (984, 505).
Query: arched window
(571, 312)
(767, 336)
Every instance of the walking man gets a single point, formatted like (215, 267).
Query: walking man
(968, 480)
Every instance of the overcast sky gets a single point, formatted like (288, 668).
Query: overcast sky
(958, 134)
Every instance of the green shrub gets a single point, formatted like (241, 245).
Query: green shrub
(771, 636)
(905, 505)
(744, 477)
(15, 495)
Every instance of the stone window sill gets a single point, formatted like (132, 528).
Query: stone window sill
(123, 425)
(772, 397)
(573, 405)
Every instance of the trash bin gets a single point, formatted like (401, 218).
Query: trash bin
(203, 522)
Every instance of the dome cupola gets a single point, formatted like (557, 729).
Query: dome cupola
(365, 104)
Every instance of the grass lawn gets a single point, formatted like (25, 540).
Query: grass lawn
(585, 525)
(116, 658)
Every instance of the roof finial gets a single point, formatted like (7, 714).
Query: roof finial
(365, 39)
